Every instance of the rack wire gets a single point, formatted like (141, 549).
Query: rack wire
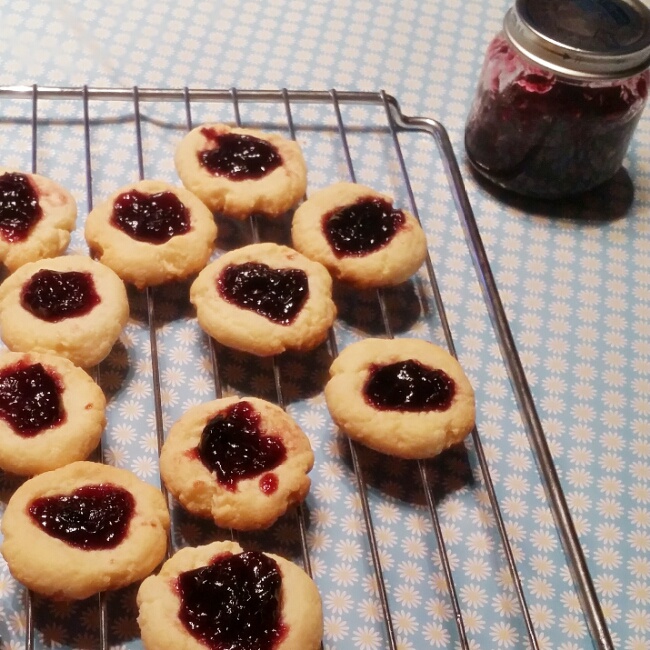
(396, 123)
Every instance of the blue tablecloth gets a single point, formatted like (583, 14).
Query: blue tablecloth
(574, 281)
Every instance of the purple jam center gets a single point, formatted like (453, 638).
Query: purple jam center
(233, 603)
(363, 227)
(30, 398)
(19, 206)
(54, 296)
(239, 157)
(409, 386)
(536, 134)
(151, 218)
(233, 447)
(276, 294)
(93, 517)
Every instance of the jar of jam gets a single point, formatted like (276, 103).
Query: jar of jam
(561, 91)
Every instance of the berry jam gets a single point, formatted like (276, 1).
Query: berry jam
(54, 296)
(151, 218)
(19, 206)
(92, 518)
(276, 294)
(535, 133)
(362, 228)
(269, 483)
(238, 156)
(233, 603)
(233, 446)
(30, 398)
(409, 386)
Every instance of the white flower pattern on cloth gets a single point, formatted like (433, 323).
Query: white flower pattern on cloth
(577, 291)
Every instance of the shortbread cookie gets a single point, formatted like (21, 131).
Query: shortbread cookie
(151, 232)
(239, 172)
(71, 306)
(51, 413)
(264, 299)
(82, 529)
(218, 596)
(242, 462)
(359, 236)
(403, 397)
(36, 218)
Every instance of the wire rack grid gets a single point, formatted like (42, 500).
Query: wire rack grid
(345, 125)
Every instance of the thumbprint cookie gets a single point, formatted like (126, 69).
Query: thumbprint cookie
(359, 236)
(84, 528)
(403, 397)
(238, 172)
(264, 299)
(151, 232)
(242, 462)
(36, 218)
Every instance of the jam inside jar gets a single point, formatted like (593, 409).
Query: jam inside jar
(559, 125)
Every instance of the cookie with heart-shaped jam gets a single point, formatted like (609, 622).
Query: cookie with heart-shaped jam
(219, 596)
(264, 299)
(238, 172)
(242, 462)
(151, 232)
(84, 528)
(404, 397)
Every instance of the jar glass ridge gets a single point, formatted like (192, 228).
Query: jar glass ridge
(541, 133)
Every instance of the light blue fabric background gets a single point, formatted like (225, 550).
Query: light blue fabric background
(575, 284)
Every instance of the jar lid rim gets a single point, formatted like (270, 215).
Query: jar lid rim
(583, 39)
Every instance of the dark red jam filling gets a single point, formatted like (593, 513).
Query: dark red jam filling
(534, 133)
(363, 227)
(239, 157)
(30, 398)
(19, 206)
(233, 603)
(151, 218)
(54, 296)
(233, 446)
(269, 483)
(276, 294)
(92, 518)
(409, 386)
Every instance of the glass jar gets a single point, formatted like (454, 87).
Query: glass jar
(560, 94)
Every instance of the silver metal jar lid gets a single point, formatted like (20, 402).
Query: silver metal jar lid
(582, 39)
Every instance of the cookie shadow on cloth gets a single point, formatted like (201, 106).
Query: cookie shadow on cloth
(234, 233)
(76, 624)
(301, 375)
(282, 538)
(170, 302)
(113, 371)
(608, 202)
(361, 308)
(401, 480)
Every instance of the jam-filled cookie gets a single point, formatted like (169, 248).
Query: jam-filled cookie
(264, 299)
(84, 528)
(71, 306)
(242, 462)
(36, 218)
(218, 596)
(151, 232)
(359, 236)
(239, 172)
(404, 397)
(51, 413)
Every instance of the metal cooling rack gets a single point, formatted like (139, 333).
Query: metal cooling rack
(395, 124)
